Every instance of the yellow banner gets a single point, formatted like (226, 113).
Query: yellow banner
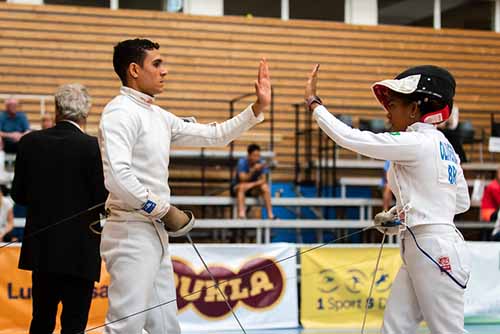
(335, 283)
(15, 296)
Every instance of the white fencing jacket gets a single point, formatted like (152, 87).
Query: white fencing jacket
(135, 137)
(425, 174)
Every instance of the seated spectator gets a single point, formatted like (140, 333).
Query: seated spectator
(6, 217)
(13, 125)
(490, 203)
(251, 179)
(449, 129)
(47, 121)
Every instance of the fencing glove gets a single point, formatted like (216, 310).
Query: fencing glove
(387, 221)
(178, 222)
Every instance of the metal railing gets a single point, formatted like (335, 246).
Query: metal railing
(24, 97)
(271, 129)
(323, 173)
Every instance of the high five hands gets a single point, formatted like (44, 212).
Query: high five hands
(310, 97)
(262, 88)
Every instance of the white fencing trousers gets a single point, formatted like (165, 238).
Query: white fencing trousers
(421, 291)
(138, 261)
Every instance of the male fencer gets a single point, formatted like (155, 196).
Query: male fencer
(135, 136)
(429, 185)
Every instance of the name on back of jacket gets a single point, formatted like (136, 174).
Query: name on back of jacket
(447, 152)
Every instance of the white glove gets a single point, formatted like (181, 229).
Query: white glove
(178, 222)
(387, 221)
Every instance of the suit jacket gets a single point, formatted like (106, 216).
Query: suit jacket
(58, 174)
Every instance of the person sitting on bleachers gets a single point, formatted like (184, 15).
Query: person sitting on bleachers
(449, 129)
(490, 203)
(251, 179)
(6, 217)
(13, 125)
(46, 121)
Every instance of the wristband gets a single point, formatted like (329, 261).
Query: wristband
(313, 99)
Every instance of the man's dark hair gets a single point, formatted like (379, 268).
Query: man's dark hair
(131, 51)
(253, 147)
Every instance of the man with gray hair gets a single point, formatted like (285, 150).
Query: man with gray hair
(58, 175)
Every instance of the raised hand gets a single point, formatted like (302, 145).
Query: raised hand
(311, 83)
(262, 88)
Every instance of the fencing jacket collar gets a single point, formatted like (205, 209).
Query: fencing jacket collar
(144, 100)
(419, 126)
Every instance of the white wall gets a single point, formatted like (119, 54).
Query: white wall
(361, 12)
(29, 2)
(204, 7)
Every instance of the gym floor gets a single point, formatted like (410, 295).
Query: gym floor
(472, 329)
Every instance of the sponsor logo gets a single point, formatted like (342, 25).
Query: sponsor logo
(382, 281)
(149, 206)
(100, 291)
(444, 262)
(327, 282)
(397, 133)
(14, 292)
(25, 292)
(356, 285)
(357, 280)
(259, 284)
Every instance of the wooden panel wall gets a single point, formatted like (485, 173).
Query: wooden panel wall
(214, 59)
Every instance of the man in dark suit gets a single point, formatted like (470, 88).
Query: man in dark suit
(58, 175)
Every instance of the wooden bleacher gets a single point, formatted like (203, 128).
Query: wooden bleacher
(214, 59)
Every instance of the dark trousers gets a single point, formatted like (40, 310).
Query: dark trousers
(7, 237)
(9, 146)
(48, 290)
